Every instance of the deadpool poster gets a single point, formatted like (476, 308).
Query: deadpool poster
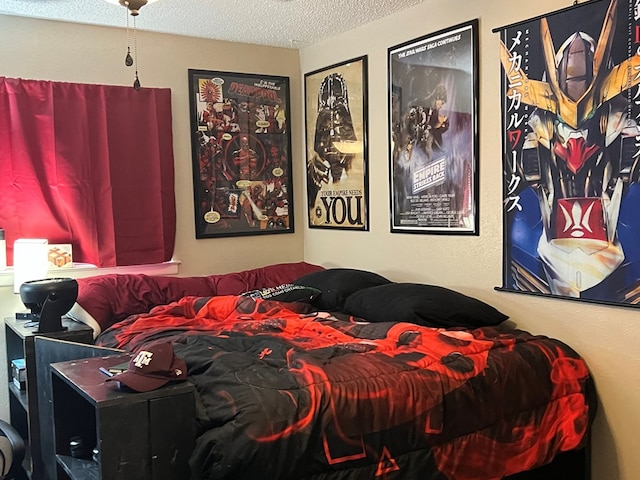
(241, 154)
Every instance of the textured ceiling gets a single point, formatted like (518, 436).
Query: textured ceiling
(281, 23)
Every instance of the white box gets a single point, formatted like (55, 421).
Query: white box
(29, 261)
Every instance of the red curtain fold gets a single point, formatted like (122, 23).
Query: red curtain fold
(90, 165)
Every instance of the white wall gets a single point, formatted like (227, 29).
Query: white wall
(45, 50)
(607, 337)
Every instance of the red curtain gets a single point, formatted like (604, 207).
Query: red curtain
(90, 165)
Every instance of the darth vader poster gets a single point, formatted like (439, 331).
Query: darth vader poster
(570, 112)
(433, 133)
(336, 139)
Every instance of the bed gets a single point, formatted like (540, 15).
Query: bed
(303, 372)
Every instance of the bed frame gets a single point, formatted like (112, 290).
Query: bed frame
(574, 465)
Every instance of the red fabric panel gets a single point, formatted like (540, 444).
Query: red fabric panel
(90, 165)
(142, 183)
(111, 298)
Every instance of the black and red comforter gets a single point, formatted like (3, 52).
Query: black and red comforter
(286, 393)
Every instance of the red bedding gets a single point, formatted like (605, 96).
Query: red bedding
(287, 393)
(106, 299)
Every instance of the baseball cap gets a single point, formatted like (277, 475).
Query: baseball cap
(151, 368)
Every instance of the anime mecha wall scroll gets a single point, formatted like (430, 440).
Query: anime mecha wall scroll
(433, 137)
(571, 143)
(336, 140)
(241, 154)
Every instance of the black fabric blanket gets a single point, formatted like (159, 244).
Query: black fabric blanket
(287, 393)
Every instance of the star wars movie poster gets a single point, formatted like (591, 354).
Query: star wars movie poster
(241, 154)
(336, 133)
(433, 133)
(570, 108)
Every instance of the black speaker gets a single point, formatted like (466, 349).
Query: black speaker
(49, 299)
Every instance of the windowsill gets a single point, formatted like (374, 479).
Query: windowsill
(81, 270)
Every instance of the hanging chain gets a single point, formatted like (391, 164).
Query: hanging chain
(136, 82)
(128, 61)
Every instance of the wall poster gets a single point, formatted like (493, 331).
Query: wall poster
(336, 139)
(570, 112)
(241, 154)
(433, 137)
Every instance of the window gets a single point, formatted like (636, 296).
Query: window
(90, 165)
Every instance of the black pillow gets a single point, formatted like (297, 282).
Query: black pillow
(336, 284)
(287, 292)
(426, 305)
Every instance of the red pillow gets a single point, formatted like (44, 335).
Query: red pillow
(106, 299)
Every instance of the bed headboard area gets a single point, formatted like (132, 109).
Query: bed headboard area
(106, 299)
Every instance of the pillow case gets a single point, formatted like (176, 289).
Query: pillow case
(427, 305)
(287, 292)
(336, 284)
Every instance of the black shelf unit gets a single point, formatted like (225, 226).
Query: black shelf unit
(23, 404)
(146, 436)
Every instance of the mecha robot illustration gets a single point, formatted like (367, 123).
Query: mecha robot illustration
(580, 158)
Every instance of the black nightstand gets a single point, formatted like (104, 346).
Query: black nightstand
(23, 404)
(142, 436)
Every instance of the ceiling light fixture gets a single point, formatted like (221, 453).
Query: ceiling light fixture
(132, 5)
(133, 8)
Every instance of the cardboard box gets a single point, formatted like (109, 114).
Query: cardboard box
(60, 255)
(19, 373)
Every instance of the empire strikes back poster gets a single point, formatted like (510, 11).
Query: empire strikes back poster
(433, 133)
(571, 143)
